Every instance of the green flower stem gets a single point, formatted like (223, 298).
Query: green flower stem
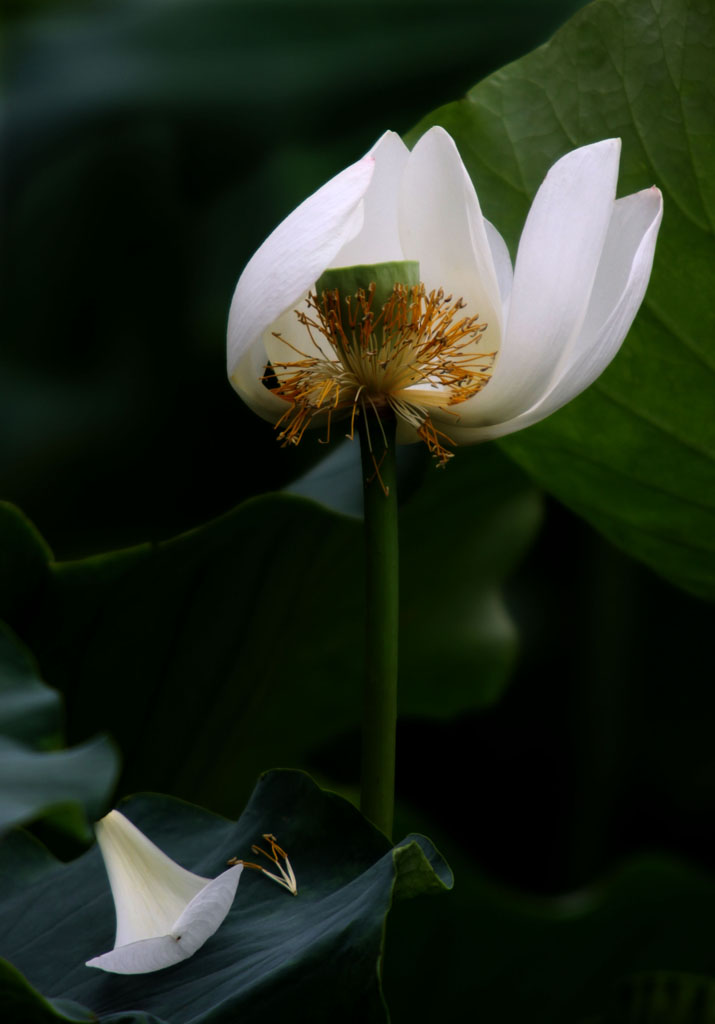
(377, 445)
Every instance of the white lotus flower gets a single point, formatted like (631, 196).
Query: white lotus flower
(164, 913)
(529, 340)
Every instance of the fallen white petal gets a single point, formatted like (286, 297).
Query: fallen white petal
(198, 922)
(150, 890)
(164, 912)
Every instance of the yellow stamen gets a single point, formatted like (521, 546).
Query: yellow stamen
(411, 356)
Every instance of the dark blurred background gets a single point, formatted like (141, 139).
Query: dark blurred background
(148, 148)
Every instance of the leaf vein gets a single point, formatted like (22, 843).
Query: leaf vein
(631, 477)
(659, 315)
(703, 453)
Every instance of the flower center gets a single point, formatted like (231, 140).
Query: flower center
(409, 355)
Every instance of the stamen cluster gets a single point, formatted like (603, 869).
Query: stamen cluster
(411, 356)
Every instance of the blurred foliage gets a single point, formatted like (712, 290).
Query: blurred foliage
(228, 656)
(635, 454)
(596, 956)
(307, 957)
(39, 777)
(148, 149)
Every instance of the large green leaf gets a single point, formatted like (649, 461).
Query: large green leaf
(36, 777)
(237, 646)
(634, 454)
(313, 957)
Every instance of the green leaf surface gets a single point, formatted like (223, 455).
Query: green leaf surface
(313, 957)
(635, 453)
(36, 778)
(229, 644)
(632, 949)
(20, 1002)
(34, 783)
(29, 710)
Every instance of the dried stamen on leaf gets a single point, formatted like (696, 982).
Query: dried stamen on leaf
(278, 857)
